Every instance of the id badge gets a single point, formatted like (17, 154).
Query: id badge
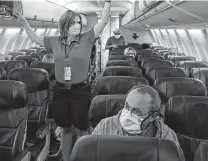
(67, 73)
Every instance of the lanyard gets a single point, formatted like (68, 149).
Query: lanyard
(67, 54)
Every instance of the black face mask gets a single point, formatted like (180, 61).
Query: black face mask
(150, 119)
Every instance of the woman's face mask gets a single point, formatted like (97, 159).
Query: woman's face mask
(131, 53)
(74, 30)
(117, 36)
(130, 122)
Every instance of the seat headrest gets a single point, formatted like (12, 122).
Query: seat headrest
(3, 63)
(49, 67)
(13, 64)
(201, 74)
(104, 106)
(157, 64)
(154, 74)
(117, 57)
(169, 87)
(121, 63)
(116, 84)
(145, 60)
(201, 152)
(188, 65)
(145, 56)
(146, 52)
(28, 51)
(188, 115)
(14, 54)
(122, 71)
(28, 58)
(13, 95)
(122, 148)
(177, 59)
(35, 79)
(2, 73)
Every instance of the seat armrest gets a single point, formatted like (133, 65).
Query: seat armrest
(43, 130)
(24, 155)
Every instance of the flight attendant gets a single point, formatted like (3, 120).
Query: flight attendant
(71, 51)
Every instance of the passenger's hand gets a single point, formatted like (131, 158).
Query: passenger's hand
(114, 46)
(19, 16)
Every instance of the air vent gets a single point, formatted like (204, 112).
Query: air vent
(172, 20)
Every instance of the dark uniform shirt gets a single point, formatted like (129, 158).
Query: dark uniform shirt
(79, 56)
(113, 41)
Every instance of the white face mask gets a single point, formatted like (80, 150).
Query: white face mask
(130, 122)
(117, 36)
(75, 30)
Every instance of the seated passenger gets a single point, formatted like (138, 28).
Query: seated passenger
(139, 117)
(130, 52)
(48, 58)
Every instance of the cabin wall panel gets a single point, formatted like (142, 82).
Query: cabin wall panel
(13, 39)
(144, 36)
(192, 42)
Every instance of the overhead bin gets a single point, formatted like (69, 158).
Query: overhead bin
(145, 4)
(170, 14)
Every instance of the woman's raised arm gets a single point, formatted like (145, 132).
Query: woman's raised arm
(31, 34)
(104, 20)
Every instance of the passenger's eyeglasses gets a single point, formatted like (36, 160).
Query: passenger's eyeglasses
(117, 33)
(136, 111)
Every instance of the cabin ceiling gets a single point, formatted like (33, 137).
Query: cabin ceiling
(137, 14)
(48, 9)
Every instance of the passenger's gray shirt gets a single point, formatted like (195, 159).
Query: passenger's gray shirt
(113, 41)
(79, 56)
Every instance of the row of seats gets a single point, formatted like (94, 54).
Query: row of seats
(185, 98)
(25, 97)
(24, 108)
(110, 91)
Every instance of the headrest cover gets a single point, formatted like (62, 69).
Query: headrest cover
(169, 87)
(140, 57)
(13, 64)
(3, 63)
(122, 148)
(104, 106)
(13, 95)
(188, 115)
(188, 65)
(154, 74)
(28, 58)
(121, 63)
(120, 57)
(2, 73)
(122, 71)
(177, 59)
(49, 67)
(201, 152)
(35, 79)
(116, 84)
(117, 57)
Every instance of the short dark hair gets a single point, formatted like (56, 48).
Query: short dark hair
(145, 46)
(155, 97)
